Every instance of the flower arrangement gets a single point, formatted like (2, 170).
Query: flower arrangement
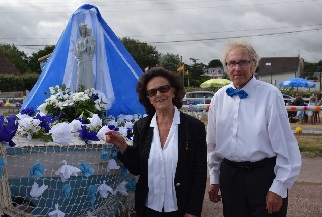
(69, 106)
(65, 114)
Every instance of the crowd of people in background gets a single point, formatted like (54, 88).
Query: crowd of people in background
(304, 116)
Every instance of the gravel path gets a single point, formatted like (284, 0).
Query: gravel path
(305, 197)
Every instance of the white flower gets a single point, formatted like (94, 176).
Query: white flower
(123, 131)
(52, 90)
(102, 131)
(22, 116)
(128, 124)
(29, 125)
(76, 125)
(112, 122)
(62, 133)
(42, 108)
(95, 121)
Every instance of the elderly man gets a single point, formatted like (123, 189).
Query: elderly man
(253, 156)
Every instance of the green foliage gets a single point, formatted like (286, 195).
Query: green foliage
(143, 53)
(215, 64)
(16, 57)
(17, 83)
(34, 64)
(29, 80)
(170, 61)
(69, 106)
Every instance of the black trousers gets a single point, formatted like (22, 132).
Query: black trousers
(152, 213)
(244, 187)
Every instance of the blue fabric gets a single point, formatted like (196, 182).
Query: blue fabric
(231, 92)
(86, 169)
(91, 195)
(3, 163)
(123, 70)
(37, 170)
(124, 171)
(130, 186)
(105, 155)
(66, 190)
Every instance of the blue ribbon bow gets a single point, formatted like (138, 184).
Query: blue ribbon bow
(37, 170)
(86, 169)
(241, 93)
(66, 190)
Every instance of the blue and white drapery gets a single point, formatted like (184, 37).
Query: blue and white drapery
(115, 71)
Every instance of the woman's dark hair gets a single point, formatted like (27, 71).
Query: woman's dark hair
(174, 81)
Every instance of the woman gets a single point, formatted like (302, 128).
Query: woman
(169, 150)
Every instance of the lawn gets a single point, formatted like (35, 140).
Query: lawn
(310, 144)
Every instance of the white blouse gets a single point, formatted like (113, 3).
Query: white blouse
(162, 166)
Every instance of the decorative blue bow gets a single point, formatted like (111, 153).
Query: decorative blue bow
(37, 170)
(66, 190)
(241, 93)
(86, 169)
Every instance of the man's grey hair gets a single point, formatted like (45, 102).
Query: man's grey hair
(240, 43)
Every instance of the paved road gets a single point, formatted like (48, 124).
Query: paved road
(305, 197)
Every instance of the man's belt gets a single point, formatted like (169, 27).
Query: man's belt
(248, 165)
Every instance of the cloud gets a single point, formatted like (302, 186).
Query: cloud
(196, 29)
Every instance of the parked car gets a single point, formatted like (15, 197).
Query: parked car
(287, 99)
(198, 97)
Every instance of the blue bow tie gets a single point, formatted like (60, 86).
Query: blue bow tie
(241, 93)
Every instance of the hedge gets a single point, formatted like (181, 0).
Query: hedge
(17, 83)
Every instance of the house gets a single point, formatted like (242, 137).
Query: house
(6, 67)
(274, 70)
(214, 72)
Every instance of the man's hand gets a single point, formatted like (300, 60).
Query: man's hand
(214, 193)
(273, 202)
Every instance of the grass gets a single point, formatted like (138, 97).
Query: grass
(310, 144)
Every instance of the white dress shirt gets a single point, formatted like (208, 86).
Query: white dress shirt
(252, 129)
(162, 166)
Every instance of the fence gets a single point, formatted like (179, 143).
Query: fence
(74, 196)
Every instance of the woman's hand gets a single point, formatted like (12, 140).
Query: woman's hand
(189, 215)
(116, 139)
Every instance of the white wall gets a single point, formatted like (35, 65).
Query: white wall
(278, 78)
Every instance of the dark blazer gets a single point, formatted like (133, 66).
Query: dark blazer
(191, 173)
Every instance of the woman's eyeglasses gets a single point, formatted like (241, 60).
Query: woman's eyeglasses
(241, 63)
(162, 89)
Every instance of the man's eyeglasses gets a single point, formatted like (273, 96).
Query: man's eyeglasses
(162, 89)
(241, 63)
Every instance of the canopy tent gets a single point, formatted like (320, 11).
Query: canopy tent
(116, 72)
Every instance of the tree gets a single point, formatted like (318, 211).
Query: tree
(144, 54)
(215, 64)
(195, 72)
(170, 61)
(34, 64)
(16, 57)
